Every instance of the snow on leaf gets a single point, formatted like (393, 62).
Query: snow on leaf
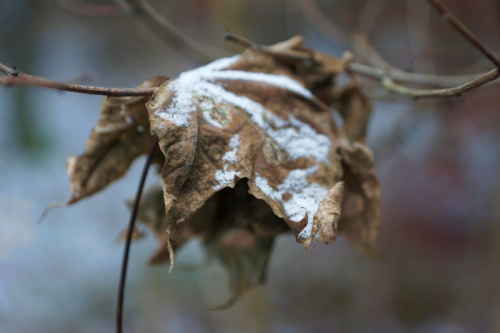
(295, 136)
(249, 151)
(269, 129)
(225, 177)
(304, 197)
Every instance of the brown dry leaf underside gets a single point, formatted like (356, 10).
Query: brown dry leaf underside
(121, 135)
(236, 228)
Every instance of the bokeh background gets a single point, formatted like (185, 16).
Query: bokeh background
(438, 268)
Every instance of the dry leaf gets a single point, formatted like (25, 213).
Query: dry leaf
(120, 136)
(250, 150)
(246, 258)
(218, 124)
(236, 228)
(355, 108)
(361, 210)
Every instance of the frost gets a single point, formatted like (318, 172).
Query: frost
(297, 138)
(206, 106)
(281, 81)
(225, 177)
(304, 196)
(303, 142)
(230, 156)
(185, 85)
(211, 120)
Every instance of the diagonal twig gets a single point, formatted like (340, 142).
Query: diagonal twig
(367, 52)
(464, 31)
(162, 27)
(391, 77)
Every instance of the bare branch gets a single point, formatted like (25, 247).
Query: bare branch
(386, 78)
(412, 78)
(392, 86)
(315, 16)
(369, 15)
(16, 78)
(82, 89)
(7, 70)
(379, 67)
(162, 27)
(464, 31)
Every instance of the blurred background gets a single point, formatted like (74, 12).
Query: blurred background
(438, 161)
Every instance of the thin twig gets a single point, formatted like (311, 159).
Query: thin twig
(368, 16)
(464, 31)
(407, 77)
(16, 78)
(315, 16)
(7, 70)
(162, 27)
(388, 80)
(365, 70)
(364, 49)
(389, 75)
(390, 85)
(126, 251)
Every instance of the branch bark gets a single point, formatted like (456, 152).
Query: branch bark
(13, 77)
(464, 31)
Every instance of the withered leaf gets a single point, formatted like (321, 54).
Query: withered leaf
(361, 210)
(248, 117)
(236, 228)
(355, 108)
(246, 257)
(120, 136)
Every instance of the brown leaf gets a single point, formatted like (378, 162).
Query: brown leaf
(236, 228)
(226, 209)
(120, 136)
(355, 108)
(246, 257)
(151, 212)
(361, 210)
(326, 219)
(250, 117)
(218, 124)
